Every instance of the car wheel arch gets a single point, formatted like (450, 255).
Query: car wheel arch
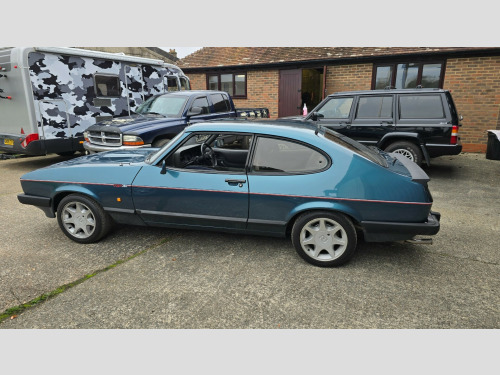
(334, 208)
(161, 140)
(396, 137)
(62, 193)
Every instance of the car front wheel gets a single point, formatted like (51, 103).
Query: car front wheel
(82, 219)
(325, 239)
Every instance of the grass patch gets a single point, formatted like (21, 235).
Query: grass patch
(19, 309)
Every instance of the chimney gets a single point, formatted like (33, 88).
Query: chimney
(173, 52)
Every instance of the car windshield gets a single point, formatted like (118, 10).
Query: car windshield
(354, 146)
(165, 105)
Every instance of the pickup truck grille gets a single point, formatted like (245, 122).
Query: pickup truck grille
(105, 138)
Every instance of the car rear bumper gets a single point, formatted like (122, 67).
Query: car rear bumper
(375, 231)
(43, 203)
(443, 149)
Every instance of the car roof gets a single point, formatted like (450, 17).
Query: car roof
(193, 92)
(388, 91)
(270, 127)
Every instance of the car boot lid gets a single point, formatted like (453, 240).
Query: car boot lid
(417, 173)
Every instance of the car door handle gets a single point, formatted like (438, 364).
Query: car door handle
(235, 182)
(387, 123)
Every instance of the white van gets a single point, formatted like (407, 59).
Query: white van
(49, 96)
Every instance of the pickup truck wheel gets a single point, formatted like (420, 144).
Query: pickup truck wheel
(82, 219)
(325, 239)
(408, 149)
(160, 142)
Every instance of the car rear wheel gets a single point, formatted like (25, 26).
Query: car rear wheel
(408, 149)
(325, 239)
(82, 219)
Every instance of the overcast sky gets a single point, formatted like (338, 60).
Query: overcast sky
(182, 51)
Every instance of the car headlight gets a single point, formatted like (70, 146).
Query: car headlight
(86, 136)
(132, 140)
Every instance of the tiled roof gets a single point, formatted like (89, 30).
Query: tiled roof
(210, 57)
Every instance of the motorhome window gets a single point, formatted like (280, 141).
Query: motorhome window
(171, 83)
(184, 83)
(107, 85)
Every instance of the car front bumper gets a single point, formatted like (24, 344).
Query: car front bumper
(375, 231)
(43, 203)
(93, 148)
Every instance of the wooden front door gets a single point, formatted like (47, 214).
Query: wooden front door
(289, 93)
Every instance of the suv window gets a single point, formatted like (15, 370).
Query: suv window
(420, 107)
(374, 107)
(203, 104)
(336, 108)
(220, 102)
(278, 155)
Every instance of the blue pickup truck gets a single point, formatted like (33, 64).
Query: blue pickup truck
(161, 117)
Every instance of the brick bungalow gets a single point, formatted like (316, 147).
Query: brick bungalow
(284, 78)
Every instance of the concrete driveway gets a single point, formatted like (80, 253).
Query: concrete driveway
(188, 279)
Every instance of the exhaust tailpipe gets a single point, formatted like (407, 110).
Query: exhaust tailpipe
(420, 241)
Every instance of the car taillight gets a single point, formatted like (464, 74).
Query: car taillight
(29, 138)
(454, 135)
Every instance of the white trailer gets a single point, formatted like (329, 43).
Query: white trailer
(49, 96)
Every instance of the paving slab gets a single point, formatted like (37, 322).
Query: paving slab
(190, 279)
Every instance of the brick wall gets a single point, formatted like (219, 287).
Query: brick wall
(348, 77)
(475, 86)
(198, 81)
(474, 83)
(262, 89)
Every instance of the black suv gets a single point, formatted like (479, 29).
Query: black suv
(418, 123)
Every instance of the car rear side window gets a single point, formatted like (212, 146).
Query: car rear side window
(220, 102)
(420, 107)
(374, 107)
(276, 155)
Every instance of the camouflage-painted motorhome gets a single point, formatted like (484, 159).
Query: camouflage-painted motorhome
(49, 96)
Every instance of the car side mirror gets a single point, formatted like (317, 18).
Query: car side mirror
(316, 115)
(195, 111)
(163, 167)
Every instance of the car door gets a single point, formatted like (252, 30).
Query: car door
(206, 110)
(183, 193)
(373, 118)
(336, 113)
(282, 174)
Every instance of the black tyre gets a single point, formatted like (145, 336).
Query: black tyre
(325, 239)
(66, 153)
(408, 149)
(82, 219)
(160, 142)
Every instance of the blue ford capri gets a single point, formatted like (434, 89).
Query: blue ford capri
(266, 178)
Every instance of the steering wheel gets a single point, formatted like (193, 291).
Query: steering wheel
(208, 154)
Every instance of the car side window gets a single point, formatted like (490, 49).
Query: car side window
(203, 104)
(336, 108)
(372, 107)
(220, 103)
(212, 152)
(275, 155)
(420, 107)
